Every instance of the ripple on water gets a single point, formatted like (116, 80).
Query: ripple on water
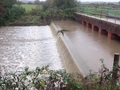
(28, 46)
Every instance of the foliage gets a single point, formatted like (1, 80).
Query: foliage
(7, 3)
(9, 12)
(34, 15)
(36, 11)
(28, 20)
(45, 79)
(19, 3)
(38, 79)
(55, 9)
(60, 9)
(62, 4)
(28, 7)
(14, 12)
(37, 2)
(103, 80)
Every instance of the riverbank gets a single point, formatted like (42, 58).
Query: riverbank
(27, 24)
(28, 20)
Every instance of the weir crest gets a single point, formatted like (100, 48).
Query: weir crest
(70, 59)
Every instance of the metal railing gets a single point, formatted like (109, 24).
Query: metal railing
(107, 14)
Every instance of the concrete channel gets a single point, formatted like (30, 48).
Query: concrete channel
(69, 57)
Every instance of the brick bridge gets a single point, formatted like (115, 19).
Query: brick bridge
(111, 29)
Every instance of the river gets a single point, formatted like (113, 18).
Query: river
(89, 45)
(33, 46)
(30, 46)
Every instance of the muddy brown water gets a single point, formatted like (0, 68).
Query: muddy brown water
(31, 46)
(89, 45)
(34, 46)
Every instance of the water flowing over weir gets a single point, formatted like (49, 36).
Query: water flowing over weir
(81, 48)
(28, 46)
(69, 57)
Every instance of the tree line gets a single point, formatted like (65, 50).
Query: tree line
(9, 11)
(60, 9)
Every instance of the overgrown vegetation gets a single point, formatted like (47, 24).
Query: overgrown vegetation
(33, 16)
(54, 9)
(28, 7)
(61, 9)
(9, 12)
(45, 79)
(51, 9)
(39, 79)
(28, 20)
(103, 80)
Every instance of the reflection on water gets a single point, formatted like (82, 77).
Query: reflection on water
(27, 46)
(90, 45)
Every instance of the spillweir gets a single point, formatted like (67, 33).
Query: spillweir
(70, 59)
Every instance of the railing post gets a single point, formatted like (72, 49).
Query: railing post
(115, 68)
(100, 13)
(107, 14)
(115, 15)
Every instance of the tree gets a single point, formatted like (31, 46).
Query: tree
(19, 3)
(65, 3)
(7, 3)
(60, 9)
(9, 11)
(37, 2)
(61, 4)
(30, 2)
(49, 3)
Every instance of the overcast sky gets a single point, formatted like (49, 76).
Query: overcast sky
(86, 0)
(99, 0)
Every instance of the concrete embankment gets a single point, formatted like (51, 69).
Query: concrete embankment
(70, 59)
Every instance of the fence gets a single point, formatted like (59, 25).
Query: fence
(102, 13)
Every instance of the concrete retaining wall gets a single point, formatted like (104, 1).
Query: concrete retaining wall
(68, 56)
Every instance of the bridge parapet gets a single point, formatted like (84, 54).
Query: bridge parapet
(111, 27)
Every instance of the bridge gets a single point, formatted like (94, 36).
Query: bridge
(101, 25)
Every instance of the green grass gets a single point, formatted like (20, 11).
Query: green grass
(28, 7)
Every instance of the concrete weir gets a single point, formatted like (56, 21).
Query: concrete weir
(69, 57)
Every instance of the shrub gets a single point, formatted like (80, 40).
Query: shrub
(45, 79)
(102, 80)
(11, 14)
(14, 13)
(39, 79)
